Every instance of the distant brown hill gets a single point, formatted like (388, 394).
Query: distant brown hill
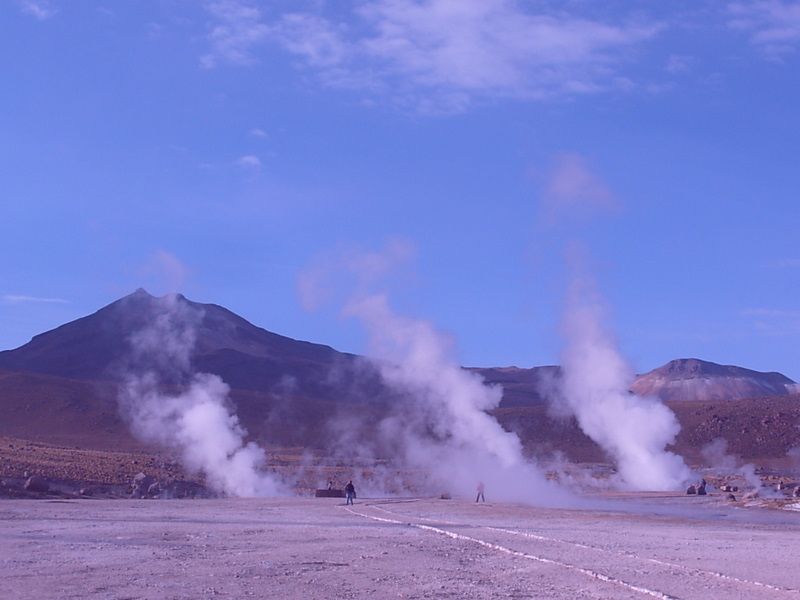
(691, 379)
(681, 380)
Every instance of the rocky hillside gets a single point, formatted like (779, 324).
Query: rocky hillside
(691, 379)
(62, 387)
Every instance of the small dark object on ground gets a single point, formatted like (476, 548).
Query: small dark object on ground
(332, 493)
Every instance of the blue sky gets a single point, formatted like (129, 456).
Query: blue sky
(226, 149)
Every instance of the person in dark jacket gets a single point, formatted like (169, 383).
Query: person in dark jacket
(349, 492)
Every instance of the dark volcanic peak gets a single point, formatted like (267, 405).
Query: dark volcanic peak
(96, 346)
(695, 379)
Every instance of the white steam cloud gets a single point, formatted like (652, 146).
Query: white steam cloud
(439, 422)
(167, 404)
(634, 431)
(723, 463)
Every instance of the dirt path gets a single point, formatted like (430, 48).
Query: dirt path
(321, 549)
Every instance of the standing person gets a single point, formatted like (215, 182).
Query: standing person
(349, 492)
(480, 492)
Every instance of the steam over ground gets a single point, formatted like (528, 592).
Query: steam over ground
(168, 404)
(634, 431)
(439, 423)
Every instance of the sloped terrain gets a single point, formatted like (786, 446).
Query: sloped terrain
(61, 390)
(691, 379)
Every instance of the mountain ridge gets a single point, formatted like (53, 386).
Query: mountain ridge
(63, 387)
(248, 357)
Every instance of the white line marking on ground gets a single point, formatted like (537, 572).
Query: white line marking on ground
(652, 560)
(627, 554)
(458, 536)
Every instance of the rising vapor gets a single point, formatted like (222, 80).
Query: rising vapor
(440, 422)
(166, 403)
(633, 431)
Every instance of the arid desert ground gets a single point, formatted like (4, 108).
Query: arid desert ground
(617, 546)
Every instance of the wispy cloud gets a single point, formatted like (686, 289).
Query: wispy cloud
(574, 192)
(775, 322)
(771, 312)
(439, 54)
(165, 271)
(351, 267)
(13, 299)
(41, 9)
(773, 25)
(249, 162)
(788, 263)
(236, 28)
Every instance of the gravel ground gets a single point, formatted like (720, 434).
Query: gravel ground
(642, 546)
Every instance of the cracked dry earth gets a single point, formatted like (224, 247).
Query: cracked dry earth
(637, 547)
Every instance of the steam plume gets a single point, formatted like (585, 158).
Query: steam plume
(723, 463)
(633, 430)
(439, 422)
(170, 405)
(443, 424)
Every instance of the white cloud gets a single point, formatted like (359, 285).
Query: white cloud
(774, 25)
(438, 54)
(775, 322)
(12, 299)
(494, 45)
(318, 41)
(678, 64)
(41, 9)
(164, 271)
(236, 29)
(353, 268)
(573, 191)
(249, 161)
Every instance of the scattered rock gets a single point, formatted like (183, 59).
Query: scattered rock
(35, 483)
(141, 484)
